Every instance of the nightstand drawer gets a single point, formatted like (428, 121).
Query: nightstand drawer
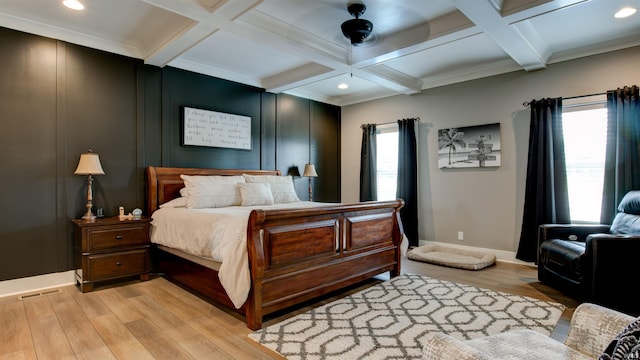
(110, 248)
(117, 264)
(102, 239)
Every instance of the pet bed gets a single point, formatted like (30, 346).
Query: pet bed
(452, 257)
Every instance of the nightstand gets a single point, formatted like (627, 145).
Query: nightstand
(108, 249)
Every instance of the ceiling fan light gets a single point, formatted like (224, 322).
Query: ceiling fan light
(356, 30)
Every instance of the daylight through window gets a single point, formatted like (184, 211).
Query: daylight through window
(585, 138)
(387, 161)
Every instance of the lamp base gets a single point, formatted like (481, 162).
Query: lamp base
(88, 217)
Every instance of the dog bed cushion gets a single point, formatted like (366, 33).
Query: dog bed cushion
(452, 257)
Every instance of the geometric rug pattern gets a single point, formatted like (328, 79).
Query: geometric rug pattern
(388, 320)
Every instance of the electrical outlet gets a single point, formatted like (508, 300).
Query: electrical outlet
(460, 235)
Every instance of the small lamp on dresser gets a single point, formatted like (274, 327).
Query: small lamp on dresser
(89, 165)
(310, 172)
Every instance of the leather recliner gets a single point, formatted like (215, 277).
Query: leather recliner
(595, 263)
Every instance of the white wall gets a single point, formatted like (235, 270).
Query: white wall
(486, 204)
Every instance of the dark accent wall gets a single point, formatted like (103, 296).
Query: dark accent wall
(309, 132)
(183, 88)
(58, 100)
(324, 148)
(292, 138)
(29, 203)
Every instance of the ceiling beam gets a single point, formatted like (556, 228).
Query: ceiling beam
(513, 42)
(300, 76)
(205, 23)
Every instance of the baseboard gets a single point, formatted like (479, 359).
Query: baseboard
(36, 283)
(501, 255)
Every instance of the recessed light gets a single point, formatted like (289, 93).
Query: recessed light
(73, 4)
(625, 12)
(343, 86)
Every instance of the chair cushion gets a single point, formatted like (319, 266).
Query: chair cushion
(524, 345)
(563, 257)
(630, 203)
(626, 344)
(625, 224)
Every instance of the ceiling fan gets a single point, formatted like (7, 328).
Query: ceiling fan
(356, 30)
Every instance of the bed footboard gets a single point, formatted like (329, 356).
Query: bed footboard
(297, 255)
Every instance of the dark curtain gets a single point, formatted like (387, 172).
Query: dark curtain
(622, 161)
(407, 188)
(368, 183)
(546, 200)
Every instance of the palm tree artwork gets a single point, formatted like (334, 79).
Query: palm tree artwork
(451, 138)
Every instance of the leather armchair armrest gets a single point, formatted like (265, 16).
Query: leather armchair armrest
(613, 260)
(563, 231)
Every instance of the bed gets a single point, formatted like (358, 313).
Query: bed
(293, 254)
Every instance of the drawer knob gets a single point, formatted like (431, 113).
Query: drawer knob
(119, 263)
(119, 237)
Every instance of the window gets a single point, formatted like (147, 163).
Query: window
(585, 139)
(387, 161)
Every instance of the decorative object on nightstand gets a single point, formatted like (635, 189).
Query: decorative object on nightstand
(108, 248)
(89, 165)
(137, 214)
(310, 172)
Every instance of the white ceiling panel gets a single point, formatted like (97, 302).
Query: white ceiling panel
(297, 47)
(234, 53)
(126, 24)
(471, 52)
(587, 25)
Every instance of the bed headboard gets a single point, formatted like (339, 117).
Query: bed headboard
(164, 183)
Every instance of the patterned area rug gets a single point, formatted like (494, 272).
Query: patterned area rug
(388, 320)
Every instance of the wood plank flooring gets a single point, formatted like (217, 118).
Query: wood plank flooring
(159, 320)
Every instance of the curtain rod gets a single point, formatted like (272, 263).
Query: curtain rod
(527, 103)
(417, 118)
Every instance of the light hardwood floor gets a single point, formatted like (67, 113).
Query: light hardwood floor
(159, 320)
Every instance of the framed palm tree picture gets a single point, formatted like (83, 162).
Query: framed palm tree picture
(469, 147)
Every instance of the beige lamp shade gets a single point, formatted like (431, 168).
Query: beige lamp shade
(310, 170)
(89, 164)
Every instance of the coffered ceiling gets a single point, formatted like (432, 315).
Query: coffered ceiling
(297, 47)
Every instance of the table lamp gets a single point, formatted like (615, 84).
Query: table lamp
(310, 172)
(89, 165)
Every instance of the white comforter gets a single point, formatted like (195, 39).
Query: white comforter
(219, 234)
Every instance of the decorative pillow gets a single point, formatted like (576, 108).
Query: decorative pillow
(255, 194)
(175, 203)
(626, 344)
(212, 191)
(630, 203)
(281, 186)
(626, 224)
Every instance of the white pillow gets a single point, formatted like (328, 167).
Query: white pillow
(183, 192)
(175, 203)
(281, 186)
(212, 191)
(255, 194)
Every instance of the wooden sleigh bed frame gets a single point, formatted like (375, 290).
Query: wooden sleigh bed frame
(294, 255)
